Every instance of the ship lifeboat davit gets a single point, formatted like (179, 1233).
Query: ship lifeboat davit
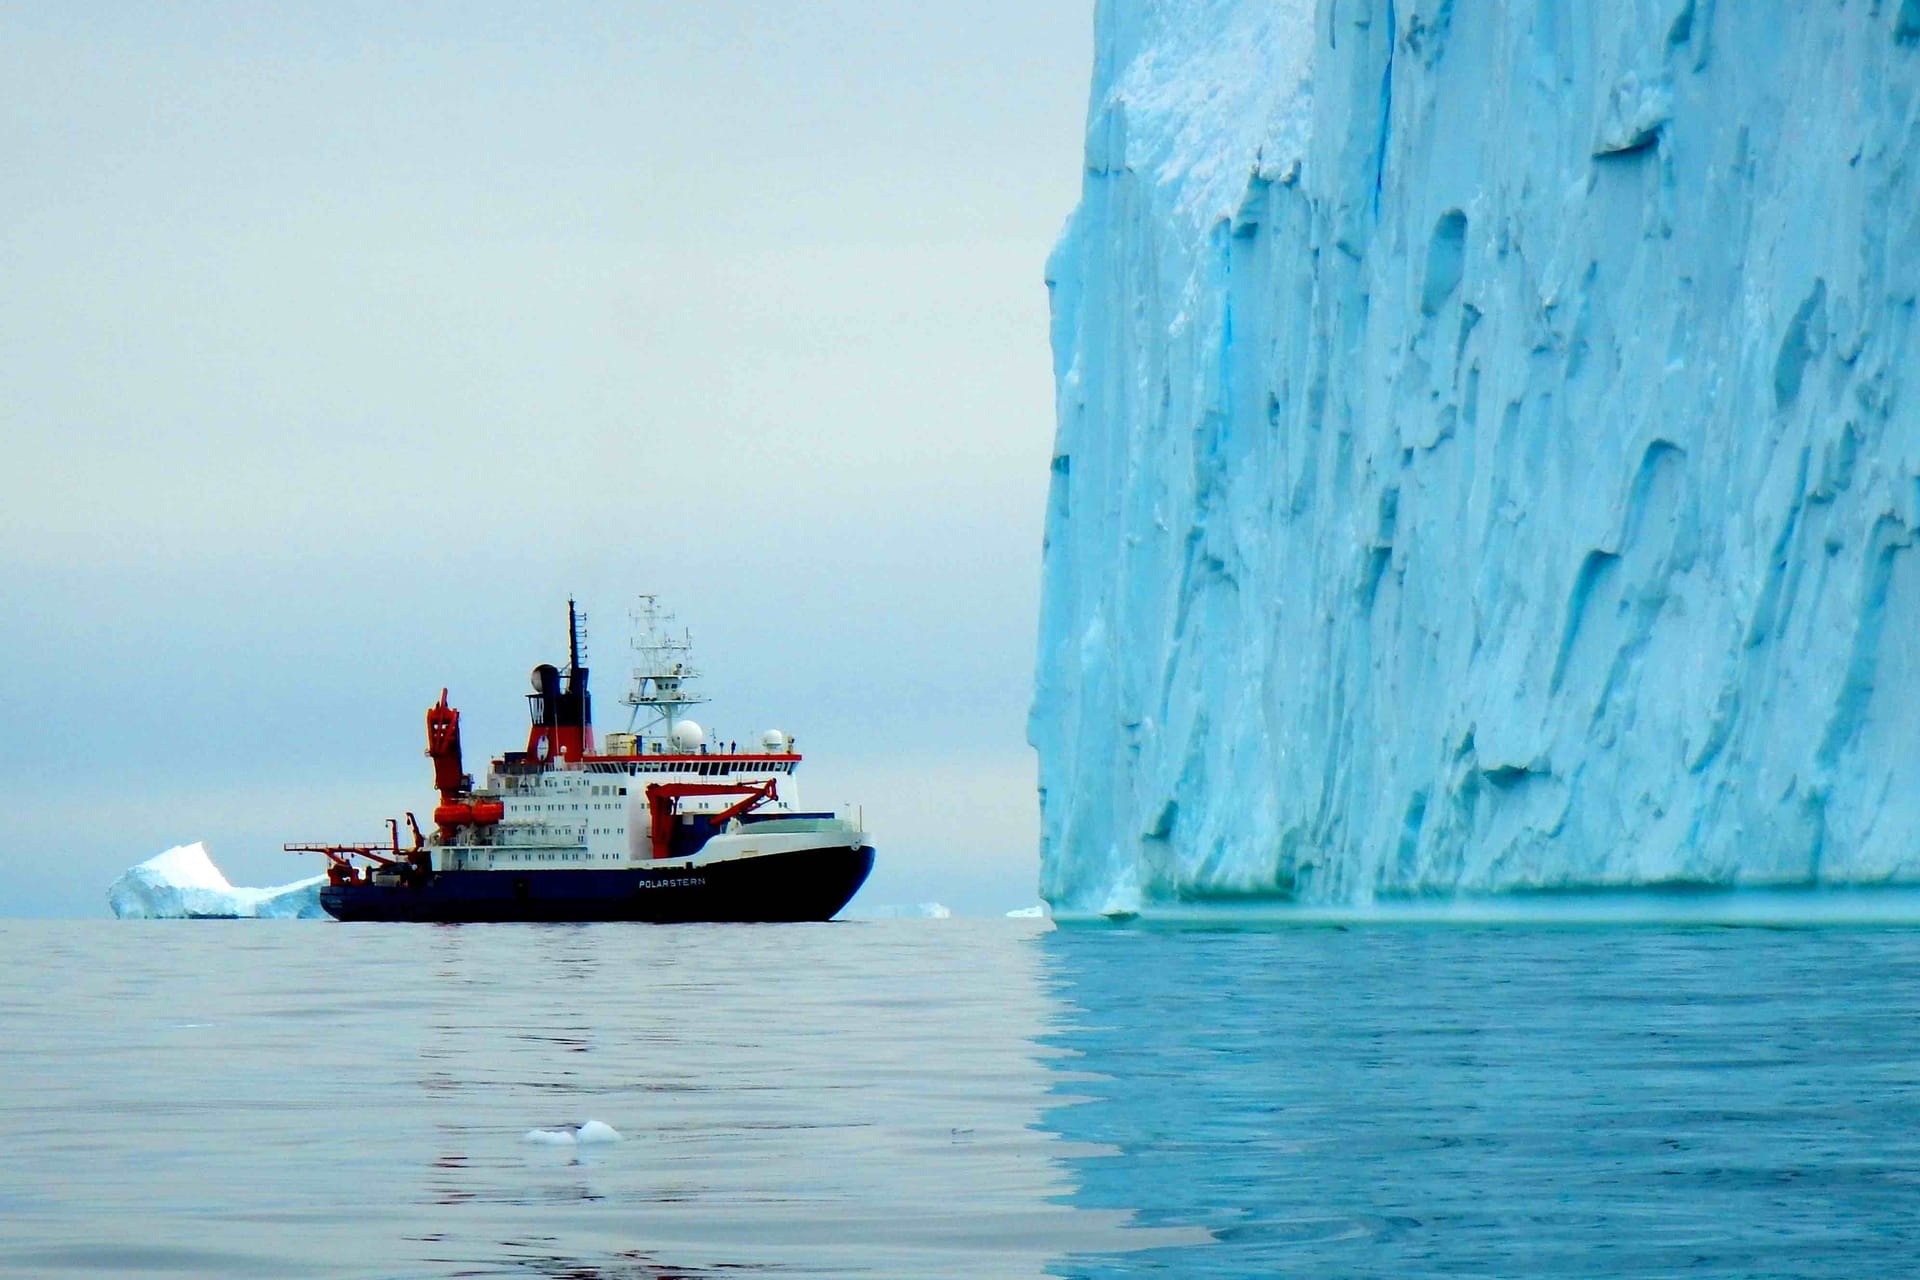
(461, 813)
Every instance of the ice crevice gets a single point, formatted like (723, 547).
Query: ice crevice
(1484, 457)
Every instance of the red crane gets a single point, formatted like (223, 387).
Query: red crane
(663, 804)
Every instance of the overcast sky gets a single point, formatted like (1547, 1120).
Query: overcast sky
(339, 343)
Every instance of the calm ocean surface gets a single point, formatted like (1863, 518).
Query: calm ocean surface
(958, 1098)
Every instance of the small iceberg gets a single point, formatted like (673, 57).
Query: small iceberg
(574, 1135)
(1038, 911)
(184, 884)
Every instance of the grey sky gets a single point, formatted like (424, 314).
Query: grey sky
(339, 343)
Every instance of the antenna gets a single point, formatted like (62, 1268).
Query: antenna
(663, 676)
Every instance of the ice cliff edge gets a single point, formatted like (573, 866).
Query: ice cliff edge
(184, 884)
(1485, 456)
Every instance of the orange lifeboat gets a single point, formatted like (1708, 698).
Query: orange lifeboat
(455, 813)
(460, 813)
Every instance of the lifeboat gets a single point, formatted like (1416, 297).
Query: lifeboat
(461, 813)
(455, 813)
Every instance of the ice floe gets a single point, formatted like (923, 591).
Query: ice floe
(904, 911)
(574, 1135)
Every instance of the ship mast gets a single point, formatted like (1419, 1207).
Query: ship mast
(662, 675)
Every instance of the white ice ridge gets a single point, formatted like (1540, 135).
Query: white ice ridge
(183, 883)
(570, 1135)
(1485, 457)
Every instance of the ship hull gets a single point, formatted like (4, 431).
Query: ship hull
(802, 884)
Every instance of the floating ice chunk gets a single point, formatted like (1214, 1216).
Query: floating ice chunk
(569, 1135)
(1038, 911)
(184, 884)
(908, 911)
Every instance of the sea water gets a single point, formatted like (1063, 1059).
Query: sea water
(958, 1098)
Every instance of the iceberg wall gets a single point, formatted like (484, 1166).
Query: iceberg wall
(1485, 456)
(184, 884)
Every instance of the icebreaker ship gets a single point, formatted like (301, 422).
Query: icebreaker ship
(1486, 459)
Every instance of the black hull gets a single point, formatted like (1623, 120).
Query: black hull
(807, 884)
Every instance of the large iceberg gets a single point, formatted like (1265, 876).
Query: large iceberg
(1485, 455)
(184, 883)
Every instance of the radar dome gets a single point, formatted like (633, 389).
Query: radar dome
(688, 735)
(774, 741)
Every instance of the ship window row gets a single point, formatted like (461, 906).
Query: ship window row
(572, 808)
(491, 859)
(709, 768)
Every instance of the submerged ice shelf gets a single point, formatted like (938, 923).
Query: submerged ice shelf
(184, 884)
(1485, 459)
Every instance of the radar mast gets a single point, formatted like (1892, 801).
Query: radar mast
(662, 675)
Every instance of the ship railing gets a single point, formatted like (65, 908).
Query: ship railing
(381, 845)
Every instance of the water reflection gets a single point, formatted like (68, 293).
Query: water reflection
(530, 1258)
(960, 1098)
(853, 1100)
(1467, 1101)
